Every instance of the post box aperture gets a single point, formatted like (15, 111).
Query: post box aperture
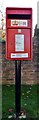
(19, 33)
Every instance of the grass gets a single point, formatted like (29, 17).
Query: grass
(8, 99)
(29, 100)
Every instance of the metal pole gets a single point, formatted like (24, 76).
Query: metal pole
(17, 87)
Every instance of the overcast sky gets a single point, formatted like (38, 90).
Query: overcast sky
(21, 3)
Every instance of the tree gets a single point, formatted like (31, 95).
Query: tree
(35, 31)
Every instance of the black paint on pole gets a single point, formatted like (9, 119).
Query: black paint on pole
(17, 87)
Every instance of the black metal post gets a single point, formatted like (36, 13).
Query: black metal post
(17, 87)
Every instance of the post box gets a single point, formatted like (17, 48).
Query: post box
(19, 33)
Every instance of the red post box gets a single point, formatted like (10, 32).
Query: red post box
(19, 33)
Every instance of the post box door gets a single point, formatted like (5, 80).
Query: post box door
(22, 36)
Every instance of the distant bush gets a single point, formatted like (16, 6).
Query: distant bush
(2, 40)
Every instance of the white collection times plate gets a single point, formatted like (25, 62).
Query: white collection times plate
(19, 42)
